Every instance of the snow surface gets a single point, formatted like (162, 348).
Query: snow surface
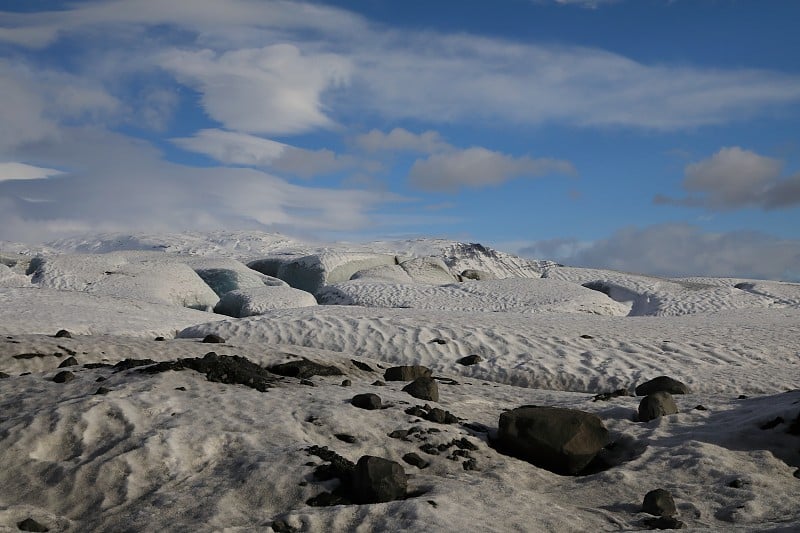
(258, 301)
(174, 451)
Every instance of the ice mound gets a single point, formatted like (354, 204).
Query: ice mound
(259, 300)
(225, 275)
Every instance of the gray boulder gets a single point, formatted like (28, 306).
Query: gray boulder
(656, 405)
(406, 373)
(367, 401)
(662, 383)
(557, 439)
(477, 275)
(376, 480)
(659, 502)
(423, 388)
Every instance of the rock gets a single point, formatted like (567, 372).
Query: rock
(69, 361)
(29, 524)
(213, 339)
(605, 396)
(656, 405)
(346, 383)
(477, 275)
(659, 502)
(557, 439)
(437, 341)
(102, 391)
(304, 369)
(415, 460)
(424, 389)
(159, 339)
(63, 334)
(399, 434)
(344, 437)
(470, 360)
(406, 373)
(664, 522)
(366, 401)
(307, 382)
(701, 407)
(281, 526)
(378, 383)
(361, 366)
(3, 375)
(440, 416)
(376, 480)
(584, 336)
(470, 464)
(231, 369)
(797, 473)
(662, 384)
(65, 376)
(737, 483)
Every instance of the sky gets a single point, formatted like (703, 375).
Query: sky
(655, 136)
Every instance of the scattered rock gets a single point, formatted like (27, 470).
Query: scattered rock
(741, 397)
(437, 341)
(33, 355)
(378, 383)
(181, 389)
(304, 369)
(605, 396)
(737, 483)
(63, 334)
(376, 480)
(307, 382)
(102, 391)
(424, 388)
(440, 416)
(701, 407)
(346, 383)
(29, 524)
(664, 522)
(69, 352)
(127, 364)
(470, 360)
(430, 449)
(659, 502)
(586, 337)
(662, 384)
(69, 361)
(406, 373)
(281, 526)
(470, 464)
(361, 366)
(560, 440)
(415, 460)
(211, 338)
(159, 339)
(656, 405)
(399, 434)
(233, 369)
(344, 437)
(3, 375)
(65, 376)
(366, 401)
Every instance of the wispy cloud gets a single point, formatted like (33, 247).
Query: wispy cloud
(402, 140)
(23, 171)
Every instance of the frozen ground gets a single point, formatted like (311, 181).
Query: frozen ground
(173, 451)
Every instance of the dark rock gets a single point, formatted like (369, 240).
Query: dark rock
(346, 383)
(429, 448)
(229, 369)
(470, 464)
(327, 499)
(69, 352)
(159, 339)
(376, 480)
(741, 397)
(561, 440)
(307, 382)
(344, 437)
(127, 364)
(361, 366)
(29, 524)
(664, 522)
(378, 383)
(659, 502)
(437, 341)
(98, 365)
(3, 375)
(399, 434)
(211, 338)
(586, 337)
(470, 360)
(69, 361)
(406, 373)
(63, 334)
(662, 384)
(304, 369)
(656, 405)
(34, 355)
(367, 401)
(416, 411)
(281, 526)
(440, 416)
(463, 444)
(415, 460)
(181, 389)
(737, 483)
(772, 423)
(102, 391)
(339, 467)
(65, 376)
(605, 396)
(424, 388)
(477, 275)
(701, 407)
(797, 473)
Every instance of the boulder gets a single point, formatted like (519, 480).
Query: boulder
(477, 275)
(304, 369)
(367, 401)
(63, 334)
(557, 439)
(659, 502)
(406, 373)
(656, 405)
(470, 360)
(29, 524)
(423, 388)
(69, 361)
(376, 480)
(662, 383)
(213, 339)
(65, 376)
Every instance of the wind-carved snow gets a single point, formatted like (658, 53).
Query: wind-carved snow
(260, 300)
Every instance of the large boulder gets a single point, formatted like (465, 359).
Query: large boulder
(557, 439)
(260, 300)
(423, 388)
(662, 383)
(376, 480)
(659, 502)
(406, 373)
(656, 405)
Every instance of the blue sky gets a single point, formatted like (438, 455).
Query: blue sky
(658, 136)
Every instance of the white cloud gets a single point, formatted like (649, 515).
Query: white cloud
(274, 90)
(677, 250)
(479, 167)
(22, 171)
(402, 140)
(735, 178)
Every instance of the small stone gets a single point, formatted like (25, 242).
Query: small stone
(470, 360)
(399, 434)
(659, 502)
(281, 526)
(701, 408)
(344, 437)
(307, 382)
(741, 397)
(737, 483)
(180, 388)
(366, 401)
(424, 388)
(586, 337)
(159, 339)
(415, 460)
(64, 376)
(63, 334)
(361, 366)
(605, 396)
(102, 391)
(69, 361)
(29, 524)
(429, 448)
(664, 522)
(437, 341)
(378, 383)
(213, 339)
(346, 383)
